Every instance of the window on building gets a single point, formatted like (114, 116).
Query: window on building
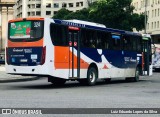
(77, 4)
(147, 25)
(152, 13)
(70, 4)
(155, 12)
(38, 5)
(48, 12)
(33, 6)
(56, 5)
(81, 3)
(64, 5)
(29, 13)
(55, 12)
(157, 24)
(152, 26)
(48, 5)
(38, 13)
(33, 13)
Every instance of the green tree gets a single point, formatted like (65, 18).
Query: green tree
(81, 15)
(61, 13)
(112, 13)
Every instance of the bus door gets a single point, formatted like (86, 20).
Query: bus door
(74, 53)
(146, 57)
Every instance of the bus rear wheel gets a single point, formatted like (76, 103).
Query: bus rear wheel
(56, 81)
(92, 76)
(91, 79)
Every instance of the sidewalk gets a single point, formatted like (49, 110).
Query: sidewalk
(4, 77)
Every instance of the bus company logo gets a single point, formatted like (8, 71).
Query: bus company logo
(126, 59)
(17, 50)
(6, 111)
(129, 59)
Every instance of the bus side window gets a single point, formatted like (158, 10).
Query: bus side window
(83, 39)
(139, 44)
(134, 43)
(116, 41)
(104, 40)
(127, 45)
(59, 34)
(99, 39)
(92, 38)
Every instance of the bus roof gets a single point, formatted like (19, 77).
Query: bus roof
(82, 24)
(92, 25)
(24, 19)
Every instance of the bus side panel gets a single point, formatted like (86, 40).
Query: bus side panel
(111, 63)
(63, 62)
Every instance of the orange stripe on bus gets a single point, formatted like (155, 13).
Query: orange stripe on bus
(29, 18)
(25, 44)
(63, 59)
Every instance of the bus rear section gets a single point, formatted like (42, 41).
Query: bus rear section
(25, 50)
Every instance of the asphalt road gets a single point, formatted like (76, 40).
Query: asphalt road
(117, 94)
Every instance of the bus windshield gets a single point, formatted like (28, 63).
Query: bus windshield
(25, 30)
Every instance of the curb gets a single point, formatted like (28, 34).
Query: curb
(18, 79)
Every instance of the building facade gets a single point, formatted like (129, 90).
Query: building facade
(6, 13)
(45, 8)
(152, 10)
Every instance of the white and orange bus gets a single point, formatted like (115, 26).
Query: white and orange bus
(72, 50)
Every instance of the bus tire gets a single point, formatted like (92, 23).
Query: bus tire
(92, 76)
(136, 78)
(57, 81)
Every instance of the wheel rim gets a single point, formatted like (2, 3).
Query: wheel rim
(92, 77)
